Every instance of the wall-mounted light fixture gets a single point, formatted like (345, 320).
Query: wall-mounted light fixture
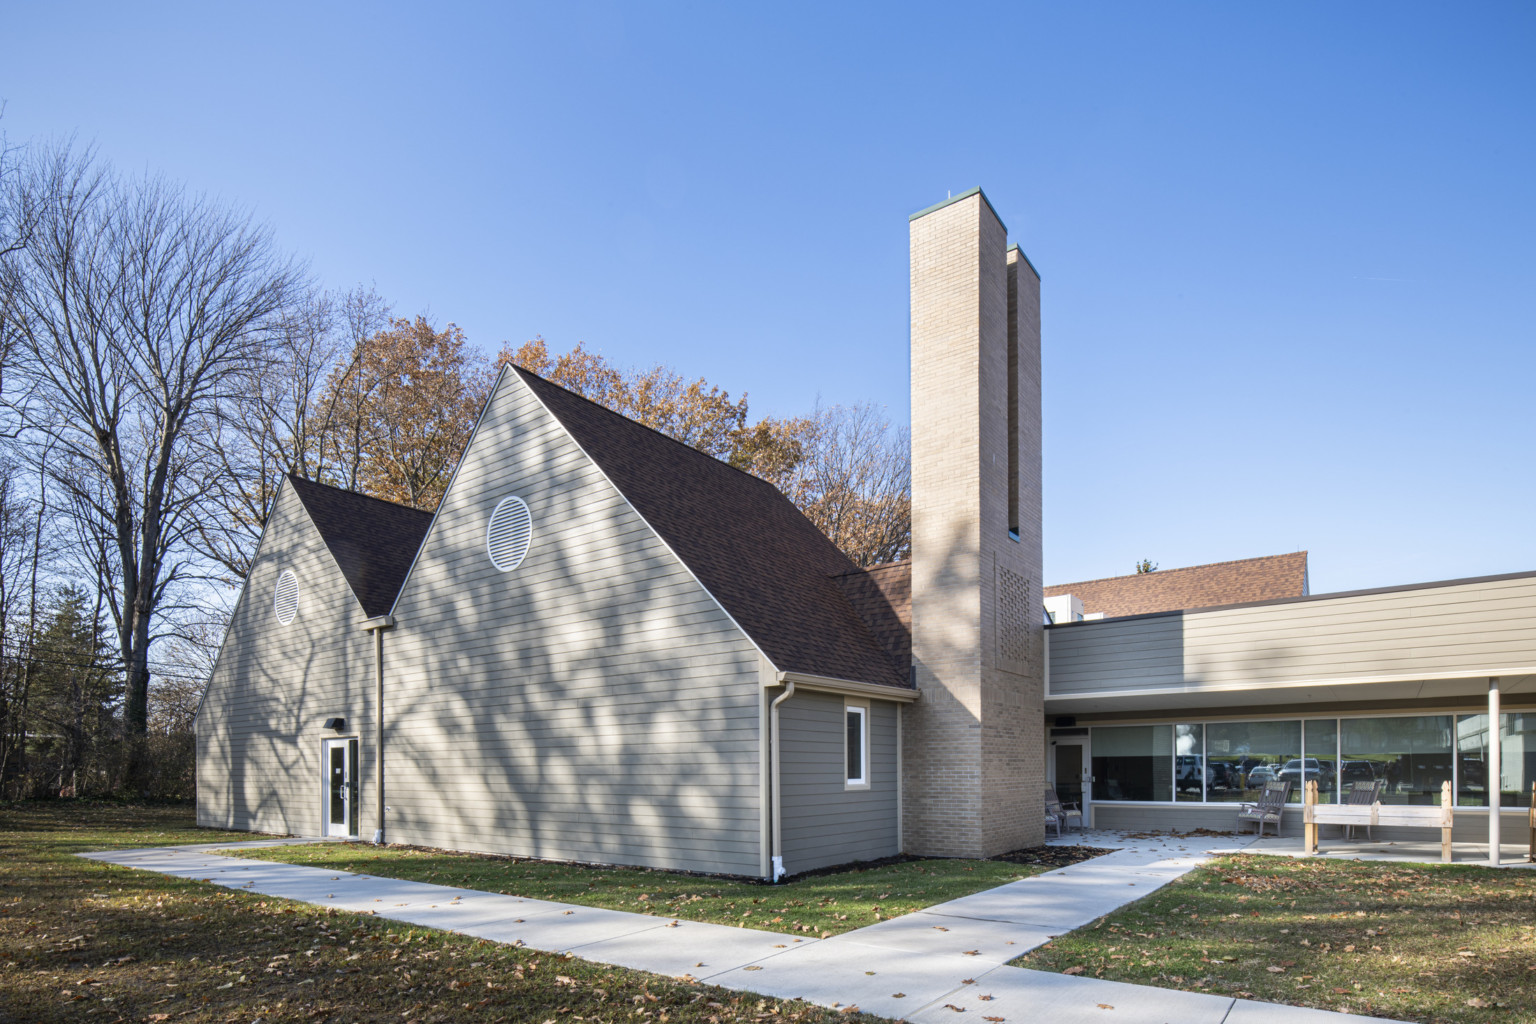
(338, 724)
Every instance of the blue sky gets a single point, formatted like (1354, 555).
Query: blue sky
(1289, 251)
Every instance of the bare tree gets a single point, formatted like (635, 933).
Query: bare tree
(137, 311)
(283, 420)
(855, 482)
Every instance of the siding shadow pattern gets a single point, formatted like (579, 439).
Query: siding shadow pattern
(261, 723)
(595, 704)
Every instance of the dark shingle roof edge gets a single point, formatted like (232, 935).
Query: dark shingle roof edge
(373, 540)
(771, 571)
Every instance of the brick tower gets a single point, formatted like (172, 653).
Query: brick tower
(973, 760)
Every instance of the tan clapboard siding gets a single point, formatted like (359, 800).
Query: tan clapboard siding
(1467, 627)
(273, 687)
(825, 823)
(594, 704)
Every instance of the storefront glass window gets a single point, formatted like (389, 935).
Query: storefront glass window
(1245, 755)
(1412, 754)
(1518, 759)
(1189, 771)
(1320, 737)
(1133, 762)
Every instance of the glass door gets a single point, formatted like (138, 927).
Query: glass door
(338, 765)
(1069, 773)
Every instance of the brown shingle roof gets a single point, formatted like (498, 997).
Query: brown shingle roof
(882, 595)
(1197, 586)
(372, 540)
(771, 569)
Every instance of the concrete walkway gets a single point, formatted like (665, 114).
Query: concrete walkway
(947, 963)
(1419, 851)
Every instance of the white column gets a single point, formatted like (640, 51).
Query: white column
(1493, 772)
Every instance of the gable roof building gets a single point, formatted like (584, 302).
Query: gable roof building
(771, 569)
(606, 646)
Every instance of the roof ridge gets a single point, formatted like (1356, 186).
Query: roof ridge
(357, 494)
(659, 433)
(1180, 568)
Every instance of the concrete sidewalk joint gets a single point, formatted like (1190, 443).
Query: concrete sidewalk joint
(948, 962)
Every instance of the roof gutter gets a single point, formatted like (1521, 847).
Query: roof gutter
(377, 625)
(850, 687)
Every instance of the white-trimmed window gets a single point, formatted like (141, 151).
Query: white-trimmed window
(856, 746)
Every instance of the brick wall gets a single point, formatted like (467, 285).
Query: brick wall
(972, 746)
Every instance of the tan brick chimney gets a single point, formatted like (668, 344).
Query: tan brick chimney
(973, 764)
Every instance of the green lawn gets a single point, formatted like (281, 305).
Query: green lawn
(1412, 942)
(85, 941)
(817, 905)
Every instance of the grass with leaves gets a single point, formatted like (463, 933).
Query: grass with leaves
(86, 941)
(816, 905)
(1413, 942)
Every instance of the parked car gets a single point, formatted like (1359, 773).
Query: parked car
(1188, 771)
(1299, 771)
(1223, 775)
(1357, 771)
(1261, 774)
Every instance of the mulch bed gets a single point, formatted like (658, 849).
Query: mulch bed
(1053, 856)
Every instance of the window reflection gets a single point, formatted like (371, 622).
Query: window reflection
(1411, 754)
(1246, 755)
(1190, 774)
(1133, 762)
(1517, 759)
(1321, 740)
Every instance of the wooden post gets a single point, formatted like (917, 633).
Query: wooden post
(1532, 855)
(1309, 828)
(1445, 821)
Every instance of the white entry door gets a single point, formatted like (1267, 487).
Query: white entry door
(1070, 773)
(338, 768)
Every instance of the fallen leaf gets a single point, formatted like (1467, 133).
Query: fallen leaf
(1105, 1006)
(752, 967)
(869, 972)
(952, 1006)
(1275, 970)
(940, 928)
(1479, 1002)
(898, 995)
(993, 1018)
(1073, 970)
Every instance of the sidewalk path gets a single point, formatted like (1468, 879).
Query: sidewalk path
(933, 966)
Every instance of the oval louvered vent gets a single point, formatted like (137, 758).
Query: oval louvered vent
(285, 597)
(509, 534)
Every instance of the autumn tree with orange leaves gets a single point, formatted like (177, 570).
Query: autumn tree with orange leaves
(404, 407)
(846, 467)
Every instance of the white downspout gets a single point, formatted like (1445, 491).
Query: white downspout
(1492, 772)
(377, 626)
(777, 851)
